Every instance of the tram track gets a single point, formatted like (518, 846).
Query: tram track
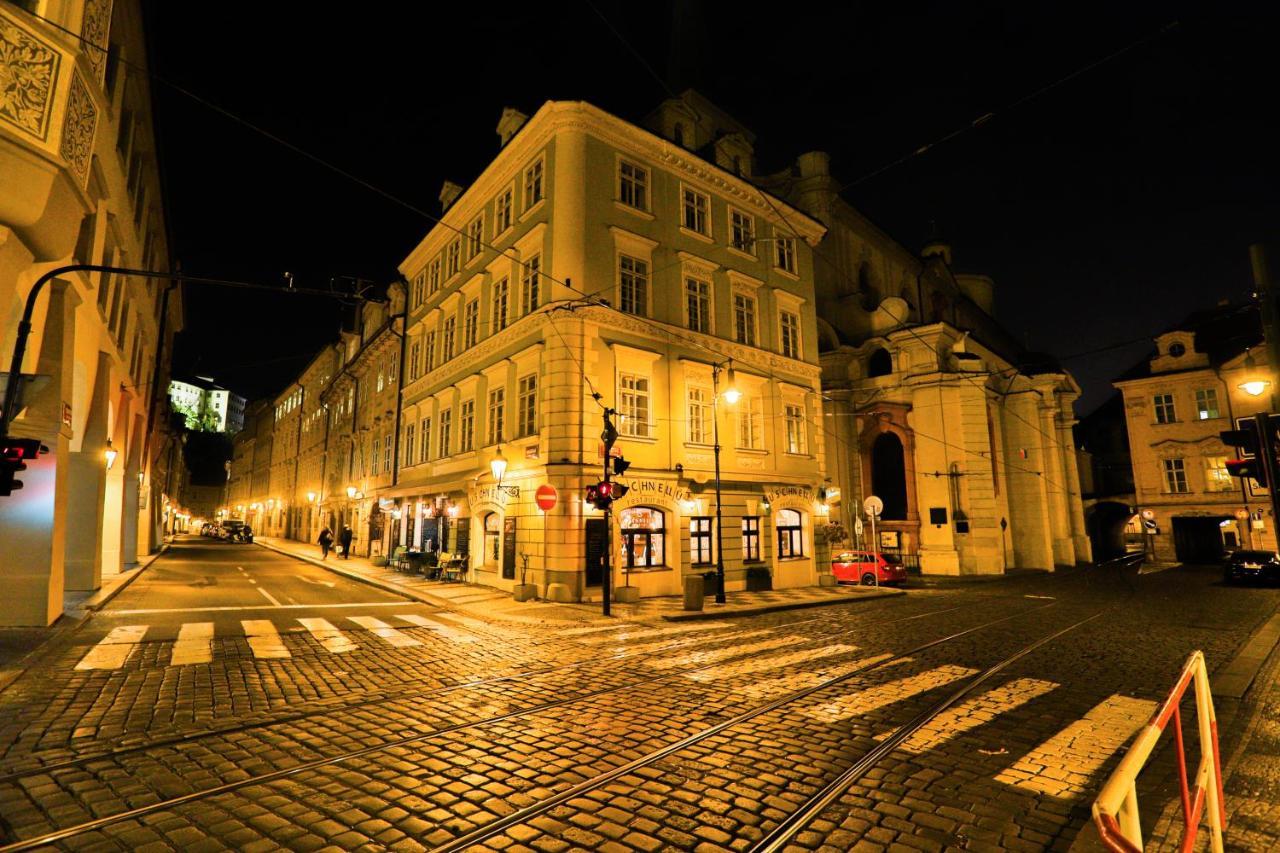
(175, 802)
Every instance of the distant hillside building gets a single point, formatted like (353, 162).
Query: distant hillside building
(207, 406)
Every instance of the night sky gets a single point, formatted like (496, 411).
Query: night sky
(1106, 207)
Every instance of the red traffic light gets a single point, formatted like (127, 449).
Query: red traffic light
(605, 490)
(1252, 468)
(13, 455)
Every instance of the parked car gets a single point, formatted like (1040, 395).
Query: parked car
(868, 568)
(1252, 566)
(230, 529)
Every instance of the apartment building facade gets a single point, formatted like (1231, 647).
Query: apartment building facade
(81, 186)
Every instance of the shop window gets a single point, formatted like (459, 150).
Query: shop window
(492, 538)
(643, 537)
(751, 538)
(700, 541)
(790, 526)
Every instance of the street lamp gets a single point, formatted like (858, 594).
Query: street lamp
(498, 467)
(1253, 387)
(731, 396)
(351, 492)
(110, 454)
(311, 497)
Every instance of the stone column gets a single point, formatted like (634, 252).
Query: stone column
(1029, 530)
(88, 485)
(129, 535)
(33, 521)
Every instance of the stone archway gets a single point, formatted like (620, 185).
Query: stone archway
(889, 475)
(886, 440)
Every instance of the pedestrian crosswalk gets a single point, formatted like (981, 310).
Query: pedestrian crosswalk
(194, 643)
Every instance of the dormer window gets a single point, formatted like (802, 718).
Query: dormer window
(1177, 349)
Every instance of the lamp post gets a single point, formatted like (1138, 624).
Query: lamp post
(731, 396)
(498, 467)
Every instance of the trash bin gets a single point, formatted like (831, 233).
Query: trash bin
(693, 596)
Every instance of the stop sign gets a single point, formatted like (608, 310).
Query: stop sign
(545, 497)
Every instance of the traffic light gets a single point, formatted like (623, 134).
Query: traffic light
(620, 466)
(13, 458)
(1253, 448)
(1252, 468)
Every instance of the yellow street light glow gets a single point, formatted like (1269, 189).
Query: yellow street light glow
(351, 491)
(731, 393)
(1254, 387)
(110, 454)
(311, 497)
(498, 466)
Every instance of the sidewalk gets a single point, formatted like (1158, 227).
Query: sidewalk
(498, 604)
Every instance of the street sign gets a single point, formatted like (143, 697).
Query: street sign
(873, 505)
(546, 497)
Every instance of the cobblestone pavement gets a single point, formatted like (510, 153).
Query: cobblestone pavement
(361, 723)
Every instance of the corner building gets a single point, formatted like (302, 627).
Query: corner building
(596, 263)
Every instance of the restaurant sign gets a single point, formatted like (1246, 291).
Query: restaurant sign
(782, 493)
(666, 491)
(488, 494)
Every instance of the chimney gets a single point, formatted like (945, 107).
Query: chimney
(512, 120)
(448, 195)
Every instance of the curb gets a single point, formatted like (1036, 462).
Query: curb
(1234, 680)
(362, 578)
(100, 599)
(755, 610)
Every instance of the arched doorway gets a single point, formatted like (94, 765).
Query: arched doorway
(889, 475)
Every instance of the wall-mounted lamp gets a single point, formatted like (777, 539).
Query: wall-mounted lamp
(498, 467)
(1254, 387)
(110, 454)
(351, 491)
(311, 497)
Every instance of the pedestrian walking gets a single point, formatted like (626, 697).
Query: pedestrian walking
(326, 542)
(345, 538)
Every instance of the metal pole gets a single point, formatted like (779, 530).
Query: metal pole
(1266, 449)
(875, 549)
(606, 578)
(715, 441)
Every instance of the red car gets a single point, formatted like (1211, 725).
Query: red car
(863, 567)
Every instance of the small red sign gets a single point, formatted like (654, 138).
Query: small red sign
(546, 497)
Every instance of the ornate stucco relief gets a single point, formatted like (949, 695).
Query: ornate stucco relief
(97, 23)
(28, 76)
(78, 129)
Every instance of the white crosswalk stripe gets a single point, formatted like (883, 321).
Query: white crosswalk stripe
(264, 639)
(114, 649)
(194, 644)
(447, 631)
(704, 656)
(328, 636)
(641, 633)
(972, 713)
(1063, 765)
(394, 636)
(873, 698)
(758, 665)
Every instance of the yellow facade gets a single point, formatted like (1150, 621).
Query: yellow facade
(1173, 414)
(78, 184)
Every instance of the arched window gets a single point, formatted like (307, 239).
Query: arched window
(643, 537)
(492, 538)
(790, 527)
(889, 476)
(880, 363)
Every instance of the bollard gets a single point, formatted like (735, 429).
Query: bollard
(693, 592)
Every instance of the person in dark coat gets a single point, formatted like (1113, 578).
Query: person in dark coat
(345, 538)
(326, 542)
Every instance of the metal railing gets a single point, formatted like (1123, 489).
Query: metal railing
(1115, 811)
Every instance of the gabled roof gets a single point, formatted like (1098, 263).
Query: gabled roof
(1222, 333)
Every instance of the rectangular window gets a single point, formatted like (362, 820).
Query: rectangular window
(750, 538)
(528, 405)
(633, 276)
(633, 185)
(784, 256)
(742, 231)
(533, 184)
(497, 410)
(751, 423)
(744, 319)
(1164, 409)
(471, 324)
(446, 430)
(1207, 403)
(529, 283)
(453, 259)
(790, 534)
(467, 426)
(501, 296)
(450, 334)
(699, 415)
(386, 454)
(1175, 476)
(419, 289)
(373, 461)
(425, 447)
(700, 541)
(415, 353)
(430, 347)
(697, 305)
(475, 237)
(409, 432)
(795, 429)
(790, 334)
(502, 213)
(633, 398)
(1216, 476)
(696, 216)
(433, 277)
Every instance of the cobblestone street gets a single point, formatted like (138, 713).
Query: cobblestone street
(352, 719)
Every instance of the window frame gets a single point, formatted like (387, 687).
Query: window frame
(496, 424)
(742, 330)
(629, 400)
(747, 228)
(503, 212)
(639, 279)
(698, 412)
(1203, 410)
(533, 182)
(789, 338)
(424, 449)
(701, 541)
(706, 309)
(527, 405)
(629, 535)
(638, 185)
(445, 434)
(686, 207)
(467, 426)
(1174, 469)
(470, 323)
(750, 422)
(530, 285)
(1165, 411)
(784, 254)
(790, 537)
(751, 539)
(500, 298)
(797, 441)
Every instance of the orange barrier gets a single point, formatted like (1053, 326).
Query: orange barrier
(1115, 811)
